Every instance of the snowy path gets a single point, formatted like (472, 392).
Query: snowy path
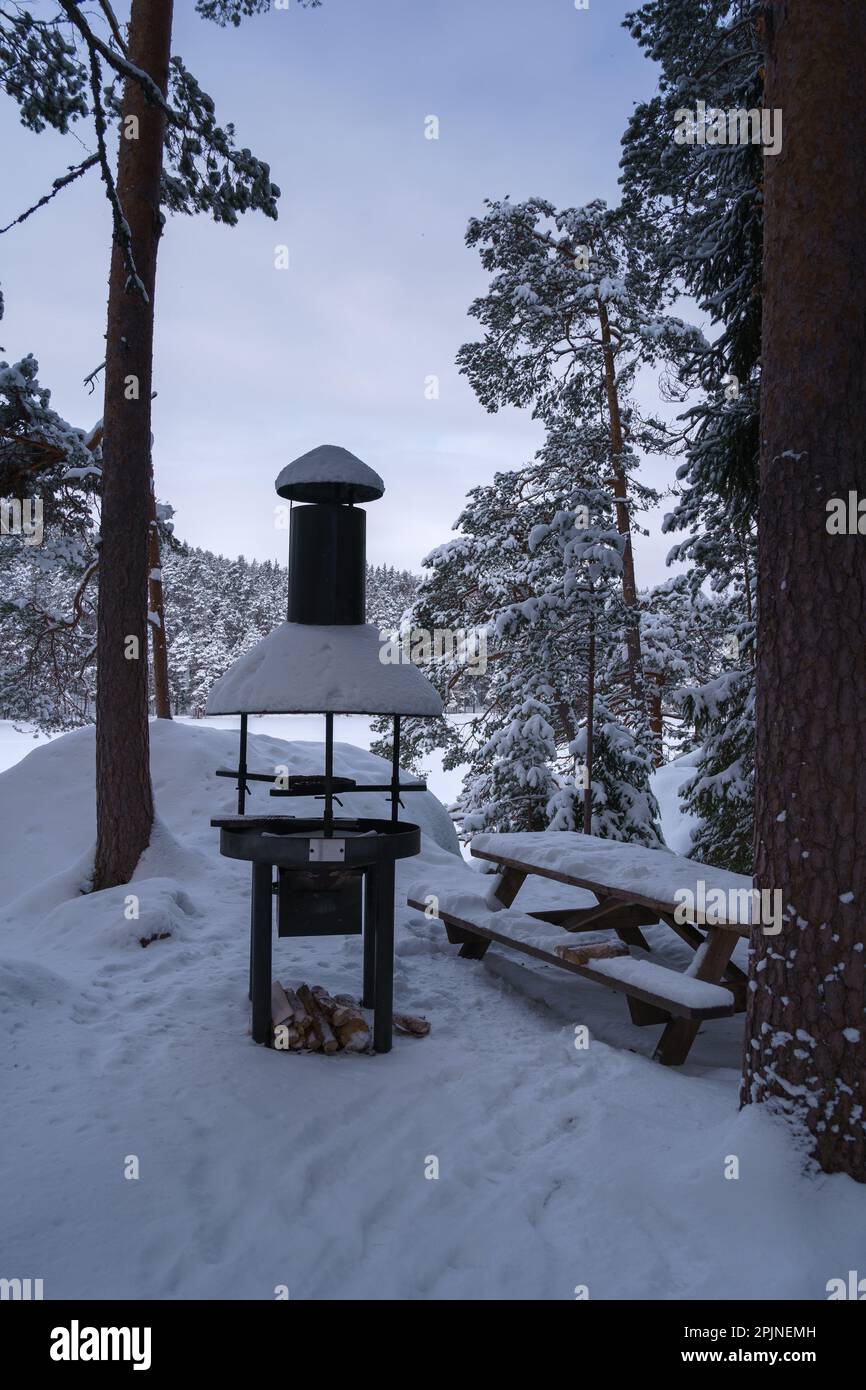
(557, 1167)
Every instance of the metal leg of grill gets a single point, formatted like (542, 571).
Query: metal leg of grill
(384, 969)
(369, 994)
(252, 932)
(260, 963)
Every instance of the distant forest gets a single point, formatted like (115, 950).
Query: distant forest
(215, 608)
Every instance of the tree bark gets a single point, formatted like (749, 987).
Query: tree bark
(590, 724)
(124, 797)
(623, 521)
(654, 685)
(806, 1030)
(156, 615)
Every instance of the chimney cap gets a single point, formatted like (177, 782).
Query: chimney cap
(329, 474)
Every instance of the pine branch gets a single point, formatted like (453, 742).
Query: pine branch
(121, 65)
(75, 171)
(122, 234)
(113, 25)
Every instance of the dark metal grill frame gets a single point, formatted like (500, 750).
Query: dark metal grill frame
(370, 849)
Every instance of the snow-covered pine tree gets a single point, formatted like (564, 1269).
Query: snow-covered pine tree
(721, 793)
(697, 210)
(682, 642)
(624, 806)
(721, 708)
(47, 595)
(514, 784)
(390, 594)
(538, 552)
(700, 208)
(571, 313)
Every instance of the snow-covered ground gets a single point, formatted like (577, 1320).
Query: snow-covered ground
(17, 742)
(557, 1167)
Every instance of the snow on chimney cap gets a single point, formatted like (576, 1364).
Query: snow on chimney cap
(329, 474)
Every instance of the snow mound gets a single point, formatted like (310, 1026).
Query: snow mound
(123, 917)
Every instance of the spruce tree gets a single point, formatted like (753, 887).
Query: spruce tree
(698, 209)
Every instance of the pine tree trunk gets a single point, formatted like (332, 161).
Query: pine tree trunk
(124, 798)
(806, 1029)
(156, 616)
(590, 724)
(654, 685)
(623, 521)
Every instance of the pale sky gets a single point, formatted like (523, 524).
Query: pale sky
(255, 365)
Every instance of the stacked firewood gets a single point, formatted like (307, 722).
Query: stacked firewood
(308, 1019)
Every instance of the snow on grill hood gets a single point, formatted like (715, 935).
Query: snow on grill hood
(304, 669)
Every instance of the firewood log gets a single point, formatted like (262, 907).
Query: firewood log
(354, 1034)
(286, 1037)
(594, 950)
(343, 1013)
(346, 1000)
(321, 1025)
(281, 1009)
(324, 1000)
(411, 1024)
(300, 1017)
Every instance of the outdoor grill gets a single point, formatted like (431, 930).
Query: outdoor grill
(330, 876)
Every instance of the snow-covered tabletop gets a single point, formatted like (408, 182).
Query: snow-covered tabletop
(612, 868)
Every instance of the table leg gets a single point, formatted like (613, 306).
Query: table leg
(384, 968)
(510, 885)
(696, 939)
(476, 947)
(262, 926)
(675, 1042)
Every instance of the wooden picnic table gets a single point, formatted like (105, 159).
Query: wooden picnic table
(634, 888)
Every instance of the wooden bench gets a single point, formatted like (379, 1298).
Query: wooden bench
(663, 992)
(633, 889)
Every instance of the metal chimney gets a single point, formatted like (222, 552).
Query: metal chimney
(327, 546)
